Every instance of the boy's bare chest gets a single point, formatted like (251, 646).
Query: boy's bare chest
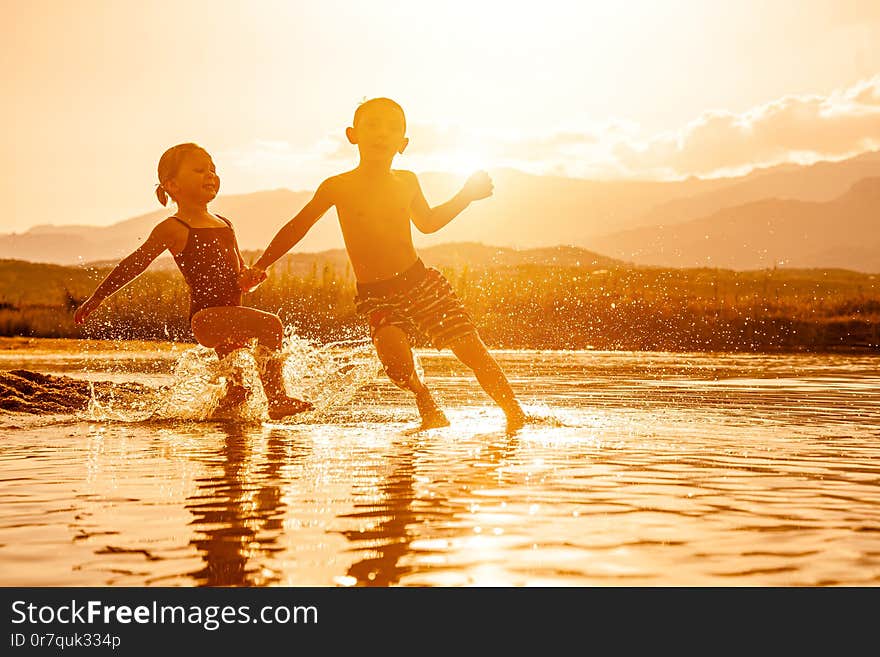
(383, 205)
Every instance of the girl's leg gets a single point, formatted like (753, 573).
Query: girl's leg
(393, 349)
(471, 351)
(232, 327)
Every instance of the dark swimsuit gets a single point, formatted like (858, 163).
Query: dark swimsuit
(210, 263)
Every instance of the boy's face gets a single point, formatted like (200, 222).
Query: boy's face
(378, 132)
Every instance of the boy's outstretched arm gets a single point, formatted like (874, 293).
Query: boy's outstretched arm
(294, 230)
(126, 271)
(430, 220)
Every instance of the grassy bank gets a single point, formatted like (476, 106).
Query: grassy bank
(522, 306)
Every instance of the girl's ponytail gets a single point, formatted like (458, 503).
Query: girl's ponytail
(162, 195)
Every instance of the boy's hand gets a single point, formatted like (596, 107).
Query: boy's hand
(478, 186)
(87, 308)
(250, 278)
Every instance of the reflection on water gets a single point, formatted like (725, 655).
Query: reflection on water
(239, 514)
(383, 519)
(637, 469)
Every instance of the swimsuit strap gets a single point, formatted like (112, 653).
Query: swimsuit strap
(225, 221)
(234, 240)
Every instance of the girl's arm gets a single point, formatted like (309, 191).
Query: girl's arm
(126, 271)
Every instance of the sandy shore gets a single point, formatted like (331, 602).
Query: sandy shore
(29, 398)
(27, 393)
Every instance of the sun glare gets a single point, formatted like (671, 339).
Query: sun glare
(465, 162)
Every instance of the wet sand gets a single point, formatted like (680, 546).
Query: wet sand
(26, 391)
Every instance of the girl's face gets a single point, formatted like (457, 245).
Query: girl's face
(196, 180)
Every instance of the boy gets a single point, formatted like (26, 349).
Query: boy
(395, 290)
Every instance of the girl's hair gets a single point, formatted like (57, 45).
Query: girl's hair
(169, 165)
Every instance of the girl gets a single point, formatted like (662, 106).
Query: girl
(206, 252)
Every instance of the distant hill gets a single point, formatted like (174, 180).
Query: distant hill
(822, 181)
(479, 256)
(623, 219)
(529, 211)
(254, 216)
(842, 233)
(526, 211)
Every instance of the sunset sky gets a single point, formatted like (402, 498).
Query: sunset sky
(94, 91)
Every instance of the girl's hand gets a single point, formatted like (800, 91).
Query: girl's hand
(87, 308)
(250, 278)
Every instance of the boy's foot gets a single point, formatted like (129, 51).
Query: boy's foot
(434, 420)
(516, 420)
(281, 408)
(432, 416)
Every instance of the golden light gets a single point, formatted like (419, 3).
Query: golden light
(464, 162)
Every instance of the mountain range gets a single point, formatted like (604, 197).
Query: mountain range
(819, 215)
(842, 233)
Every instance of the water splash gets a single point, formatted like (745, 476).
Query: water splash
(110, 407)
(201, 381)
(328, 376)
(543, 415)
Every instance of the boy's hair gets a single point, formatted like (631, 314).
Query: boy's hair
(379, 101)
(169, 165)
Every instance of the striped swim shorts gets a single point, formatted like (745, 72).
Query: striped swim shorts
(419, 301)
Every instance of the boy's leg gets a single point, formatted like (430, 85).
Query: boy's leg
(471, 351)
(228, 328)
(395, 352)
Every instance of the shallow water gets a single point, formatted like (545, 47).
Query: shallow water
(637, 469)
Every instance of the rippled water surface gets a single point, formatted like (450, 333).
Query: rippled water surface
(637, 469)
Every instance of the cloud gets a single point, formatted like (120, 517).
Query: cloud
(268, 163)
(577, 152)
(802, 128)
(867, 92)
(792, 128)
(795, 128)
